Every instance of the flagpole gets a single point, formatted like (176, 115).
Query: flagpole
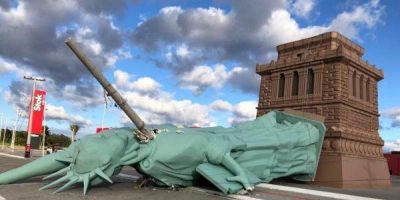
(28, 140)
(44, 128)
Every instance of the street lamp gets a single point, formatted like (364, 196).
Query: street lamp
(44, 129)
(1, 124)
(4, 134)
(28, 140)
(15, 129)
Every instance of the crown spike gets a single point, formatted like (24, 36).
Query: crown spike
(60, 180)
(102, 175)
(70, 182)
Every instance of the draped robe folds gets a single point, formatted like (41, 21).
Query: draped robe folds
(272, 146)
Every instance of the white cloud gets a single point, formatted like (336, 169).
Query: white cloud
(202, 77)
(7, 67)
(84, 36)
(281, 27)
(393, 114)
(199, 29)
(241, 112)
(172, 10)
(168, 110)
(10, 67)
(182, 51)
(81, 121)
(32, 43)
(221, 105)
(244, 111)
(145, 85)
(121, 78)
(79, 96)
(161, 107)
(58, 113)
(157, 106)
(392, 146)
(17, 14)
(244, 35)
(111, 59)
(302, 8)
(350, 23)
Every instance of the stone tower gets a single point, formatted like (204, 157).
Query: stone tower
(325, 75)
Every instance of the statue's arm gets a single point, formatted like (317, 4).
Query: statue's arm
(240, 176)
(44, 165)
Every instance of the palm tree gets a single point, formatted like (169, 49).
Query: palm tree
(46, 130)
(74, 128)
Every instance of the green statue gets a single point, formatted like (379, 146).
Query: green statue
(275, 145)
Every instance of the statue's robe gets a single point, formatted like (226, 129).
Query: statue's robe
(272, 146)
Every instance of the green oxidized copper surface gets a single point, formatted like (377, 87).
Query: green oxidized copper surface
(274, 145)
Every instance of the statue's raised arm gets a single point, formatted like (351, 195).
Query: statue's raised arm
(143, 134)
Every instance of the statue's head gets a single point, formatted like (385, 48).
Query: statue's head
(95, 158)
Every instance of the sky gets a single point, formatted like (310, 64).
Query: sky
(189, 63)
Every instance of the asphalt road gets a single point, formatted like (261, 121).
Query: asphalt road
(125, 187)
(380, 193)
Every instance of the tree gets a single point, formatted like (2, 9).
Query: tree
(58, 140)
(46, 130)
(74, 128)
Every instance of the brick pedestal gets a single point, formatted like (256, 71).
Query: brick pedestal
(352, 172)
(325, 75)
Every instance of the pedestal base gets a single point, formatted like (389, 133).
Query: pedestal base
(352, 172)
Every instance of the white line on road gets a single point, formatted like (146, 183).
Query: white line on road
(242, 197)
(127, 176)
(232, 196)
(12, 156)
(271, 187)
(2, 198)
(313, 192)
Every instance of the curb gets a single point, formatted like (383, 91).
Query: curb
(317, 193)
(12, 156)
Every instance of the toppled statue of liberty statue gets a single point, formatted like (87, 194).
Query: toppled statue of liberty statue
(233, 159)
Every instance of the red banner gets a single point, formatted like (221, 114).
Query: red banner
(38, 112)
(99, 130)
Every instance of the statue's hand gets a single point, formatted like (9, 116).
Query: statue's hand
(229, 163)
(242, 179)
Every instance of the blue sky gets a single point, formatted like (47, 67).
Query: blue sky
(190, 63)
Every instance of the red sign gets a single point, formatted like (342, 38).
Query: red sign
(28, 148)
(38, 112)
(99, 130)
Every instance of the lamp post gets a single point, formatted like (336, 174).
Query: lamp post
(4, 134)
(15, 129)
(28, 140)
(44, 129)
(1, 124)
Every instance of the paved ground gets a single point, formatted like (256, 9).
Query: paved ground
(386, 193)
(125, 187)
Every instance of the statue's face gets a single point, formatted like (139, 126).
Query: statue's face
(105, 152)
(95, 158)
(98, 151)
